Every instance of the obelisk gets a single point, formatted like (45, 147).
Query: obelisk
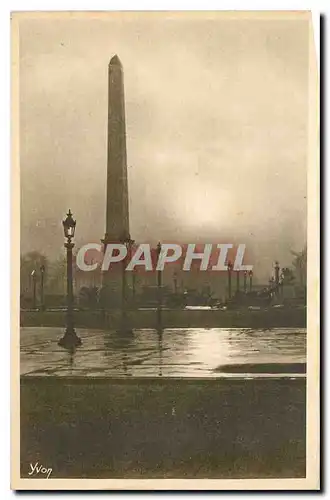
(117, 218)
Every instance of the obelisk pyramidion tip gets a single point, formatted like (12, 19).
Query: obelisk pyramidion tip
(115, 61)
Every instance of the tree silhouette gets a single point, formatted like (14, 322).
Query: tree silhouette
(300, 265)
(89, 297)
(57, 276)
(31, 261)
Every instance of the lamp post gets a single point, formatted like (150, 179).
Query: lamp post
(159, 289)
(133, 272)
(245, 276)
(34, 288)
(277, 278)
(229, 270)
(175, 281)
(250, 276)
(42, 276)
(277, 273)
(281, 282)
(133, 287)
(123, 289)
(70, 339)
(237, 281)
(128, 242)
(160, 349)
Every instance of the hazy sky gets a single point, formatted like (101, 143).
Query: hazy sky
(216, 117)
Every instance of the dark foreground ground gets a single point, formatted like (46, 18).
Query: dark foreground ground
(164, 428)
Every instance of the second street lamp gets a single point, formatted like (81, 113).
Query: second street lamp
(229, 270)
(34, 288)
(128, 242)
(42, 282)
(159, 291)
(250, 276)
(70, 340)
(245, 276)
(237, 281)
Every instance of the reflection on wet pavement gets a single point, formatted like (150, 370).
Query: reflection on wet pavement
(192, 352)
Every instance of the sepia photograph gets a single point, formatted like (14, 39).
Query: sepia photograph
(165, 246)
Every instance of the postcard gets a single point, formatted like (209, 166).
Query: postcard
(165, 251)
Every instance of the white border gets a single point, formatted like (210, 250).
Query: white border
(5, 8)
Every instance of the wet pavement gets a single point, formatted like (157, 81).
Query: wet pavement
(187, 353)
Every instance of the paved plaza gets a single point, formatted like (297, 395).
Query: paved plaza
(201, 353)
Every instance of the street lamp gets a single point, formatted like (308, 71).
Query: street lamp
(159, 289)
(237, 281)
(250, 276)
(277, 277)
(42, 276)
(128, 242)
(245, 277)
(70, 339)
(175, 280)
(229, 270)
(282, 281)
(130, 253)
(277, 272)
(129, 245)
(34, 285)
